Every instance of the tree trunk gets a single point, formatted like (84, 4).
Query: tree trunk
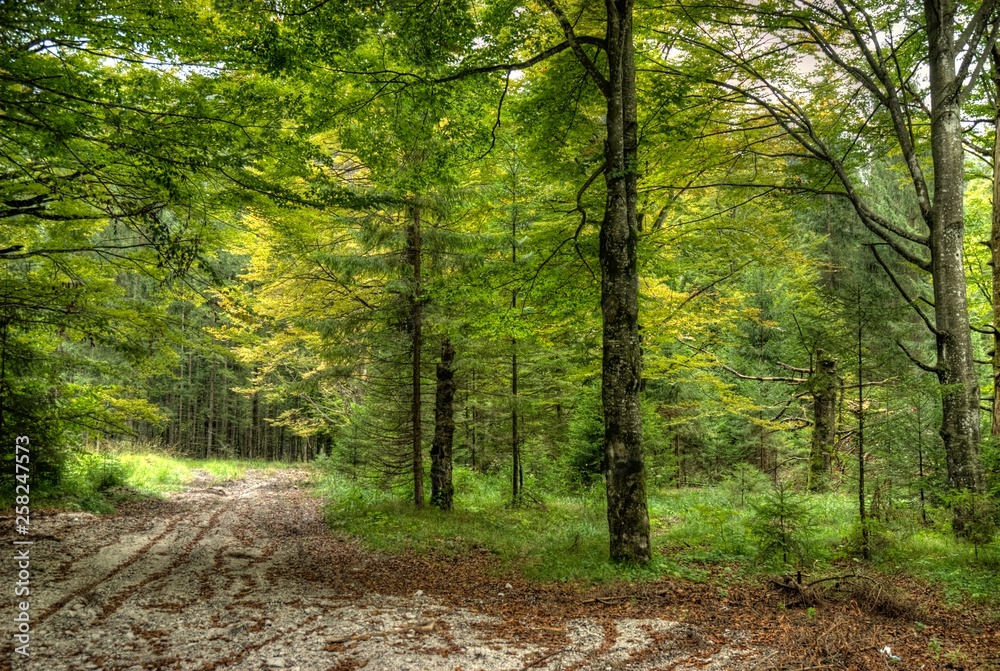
(955, 366)
(515, 439)
(920, 463)
(472, 420)
(628, 519)
(210, 427)
(866, 552)
(254, 426)
(995, 249)
(824, 392)
(444, 430)
(416, 319)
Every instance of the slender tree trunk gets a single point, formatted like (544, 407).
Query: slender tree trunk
(472, 422)
(192, 431)
(920, 463)
(416, 319)
(444, 430)
(995, 249)
(824, 392)
(863, 513)
(515, 439)
(515, 442)
(955, 366)
(679, 460)
(254, 437)
(210, 428)
(628, 519)
(224, 405)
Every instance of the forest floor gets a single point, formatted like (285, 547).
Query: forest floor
(245, 575)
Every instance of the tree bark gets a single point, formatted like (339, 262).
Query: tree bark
(444, 430)
(866, 552)
(515, 439)
(628, 519)
(416, 320)
(995, 250)
(824, 392)
(955, 366)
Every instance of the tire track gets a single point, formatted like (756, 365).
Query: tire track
(136, 527)
(75, 594)
(124, 595)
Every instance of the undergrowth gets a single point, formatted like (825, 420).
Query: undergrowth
(707, 533)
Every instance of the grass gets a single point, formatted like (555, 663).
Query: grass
(699, 534)
(96, 481)
(939, 559)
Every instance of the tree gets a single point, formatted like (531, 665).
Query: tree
(871, 56)
(117, 165)
(442, 491)
(628, 517)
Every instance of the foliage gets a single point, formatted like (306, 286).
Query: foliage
(782, 525)
(697, 532)
(208, 244)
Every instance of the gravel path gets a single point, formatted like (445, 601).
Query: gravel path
(246, 576)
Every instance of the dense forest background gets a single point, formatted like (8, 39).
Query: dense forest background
(402, 237)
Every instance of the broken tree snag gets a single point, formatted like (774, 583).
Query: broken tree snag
(824, 384)
(444, 429)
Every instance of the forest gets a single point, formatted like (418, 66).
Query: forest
(722, 278)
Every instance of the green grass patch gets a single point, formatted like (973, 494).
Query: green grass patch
(699, 534)
(97, 481)
(563, 538)
(938, 558)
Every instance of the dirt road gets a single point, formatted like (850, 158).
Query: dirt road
(245, 575)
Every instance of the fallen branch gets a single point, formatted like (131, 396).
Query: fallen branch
(542, 659)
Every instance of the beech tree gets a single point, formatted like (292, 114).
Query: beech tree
(873, 56)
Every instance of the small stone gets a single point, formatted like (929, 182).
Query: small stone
(499, 593)
(129, 635)
(410, 616)
(509, 586)
(276, 662)
(419, 592)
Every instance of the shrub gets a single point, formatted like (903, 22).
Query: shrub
(781, 524)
